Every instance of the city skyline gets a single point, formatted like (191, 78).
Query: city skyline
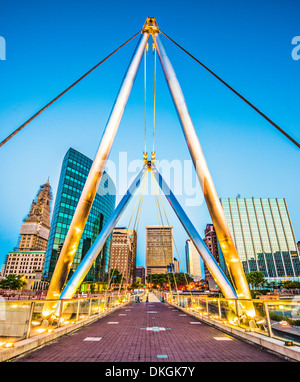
(258, 161)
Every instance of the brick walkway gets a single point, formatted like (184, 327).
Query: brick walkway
(148, 332)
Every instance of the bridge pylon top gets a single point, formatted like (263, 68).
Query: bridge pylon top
(150, 26)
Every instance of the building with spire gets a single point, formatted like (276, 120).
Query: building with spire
(28, 260)
(35, 230)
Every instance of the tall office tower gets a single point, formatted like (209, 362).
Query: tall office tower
(159, 249)
(263, 235)
(140, 274)
(74, 172)
(194, 262)
(176, 266)
(34, 231)
(123, 253)
(211, 241)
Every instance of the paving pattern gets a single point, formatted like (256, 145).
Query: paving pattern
(148, 332)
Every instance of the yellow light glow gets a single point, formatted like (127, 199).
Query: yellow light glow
(35, 323)
(9, 344)
(2, 344)
(41, 330)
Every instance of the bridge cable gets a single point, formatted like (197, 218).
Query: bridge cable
(140, 198)
(154, 97)
(161, 227)
(113, 271)
(62, 93)
(237, 93)
(145, 94)
(161, 218)
(173, 238)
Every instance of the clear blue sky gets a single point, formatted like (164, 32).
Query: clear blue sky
(49, 44)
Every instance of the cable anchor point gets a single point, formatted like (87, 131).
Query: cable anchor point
(150, 26)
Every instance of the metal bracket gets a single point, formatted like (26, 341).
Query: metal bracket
(150, 26)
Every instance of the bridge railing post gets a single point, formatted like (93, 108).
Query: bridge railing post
(77, 312)
(268, 319)
(237, 312)
(219, 309)
(30, 319)
(61, 304)
(90, 307)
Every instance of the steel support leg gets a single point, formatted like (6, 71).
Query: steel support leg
(204, 252)
(212, 200)
(95, 249)
(80, 217)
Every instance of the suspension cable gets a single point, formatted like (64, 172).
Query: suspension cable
(145, 95)
(237, 93)
(154, 97)
(140, 197)
(112, 274)
(160, 218)
(161, 201)
(62, 93)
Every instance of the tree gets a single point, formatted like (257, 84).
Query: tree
(167, 280)
(116, 276)
(255, 278)
(13, 282)
(291, 284)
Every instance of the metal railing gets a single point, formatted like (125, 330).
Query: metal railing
(279, 319)
(22, 319)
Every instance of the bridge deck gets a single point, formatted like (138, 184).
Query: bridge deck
(148, 332)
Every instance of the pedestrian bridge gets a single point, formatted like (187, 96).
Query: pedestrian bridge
(118, 329)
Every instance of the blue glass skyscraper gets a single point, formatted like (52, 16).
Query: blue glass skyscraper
(75, 169)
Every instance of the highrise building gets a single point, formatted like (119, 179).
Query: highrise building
(211, 241)
(35, 230)
(176, 266)
(263, 235)
(74, 172)
(140, 274)
(194, 262)
(24, 263)
(123, 253)
(159, 249)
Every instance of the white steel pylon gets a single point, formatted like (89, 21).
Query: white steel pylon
(82, 211)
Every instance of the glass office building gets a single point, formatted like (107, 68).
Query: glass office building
(75, 169)
(263, 235)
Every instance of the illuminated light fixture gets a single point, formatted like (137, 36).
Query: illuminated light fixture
(9, 345)
(283, 323)
(35, 323)
(261, 322)
(41, 330)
